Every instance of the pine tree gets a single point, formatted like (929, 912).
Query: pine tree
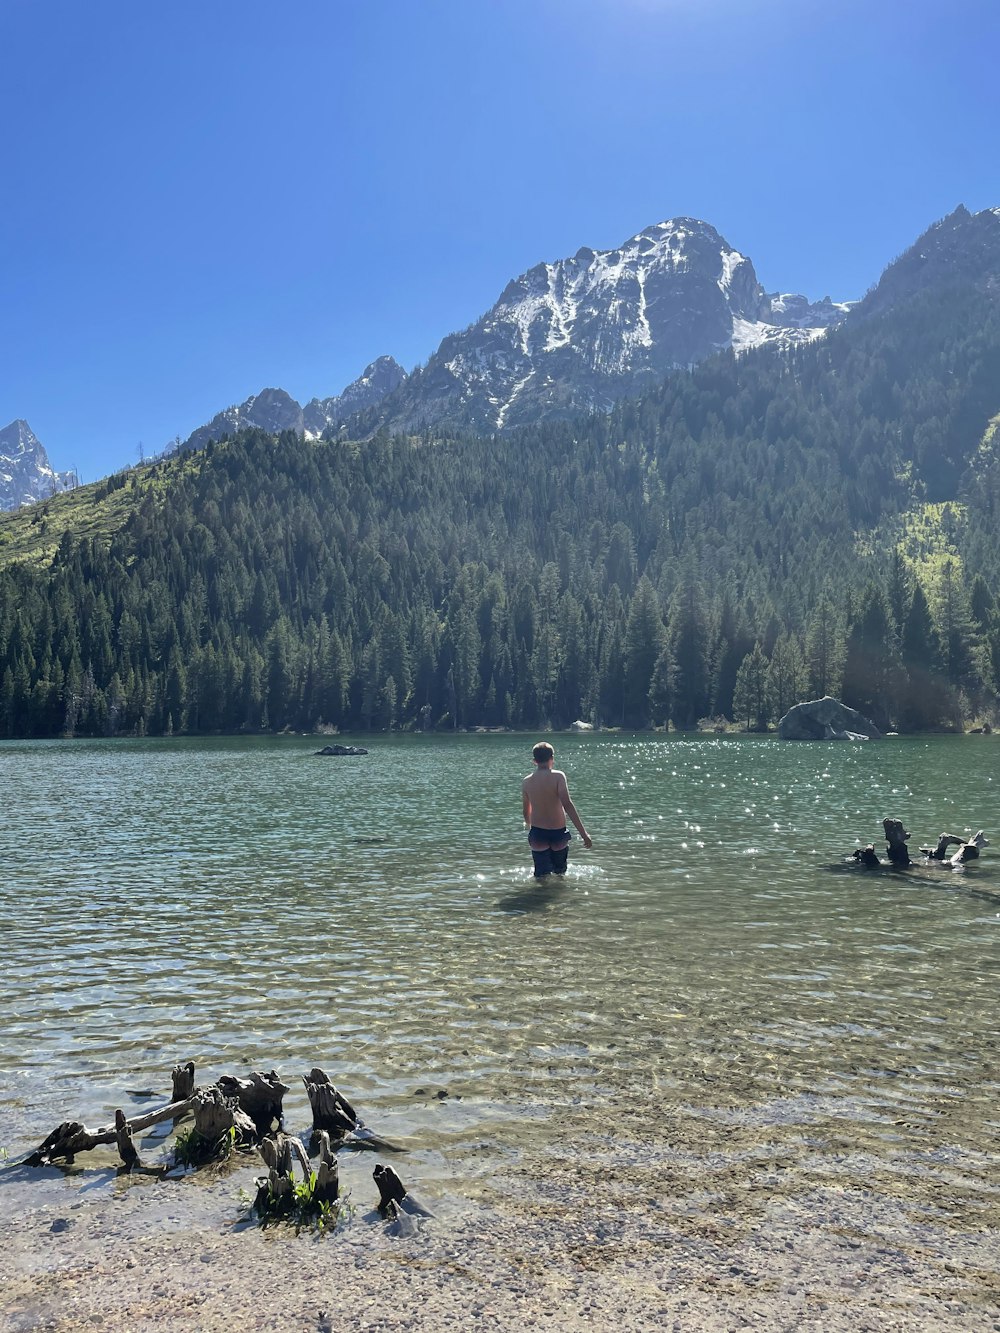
(870, 669)
(645, 640)
(689, 638)
(750, 697)
(923, 702)
(824, 652)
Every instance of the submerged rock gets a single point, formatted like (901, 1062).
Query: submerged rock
(342, 749)
(825, 719)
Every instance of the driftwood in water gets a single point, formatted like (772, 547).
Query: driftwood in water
(969, 851)
(896, 838)
(940, 852)
(244, 1110)
(216, 1114)
(70, 1138)
(260, 1097)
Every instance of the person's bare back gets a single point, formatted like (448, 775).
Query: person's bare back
(548, 796)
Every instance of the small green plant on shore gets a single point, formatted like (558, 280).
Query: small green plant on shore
(193, 1149)
(300, 1206)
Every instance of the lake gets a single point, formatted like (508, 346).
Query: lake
(713, 990)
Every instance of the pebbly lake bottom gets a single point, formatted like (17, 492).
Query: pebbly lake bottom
(716, 1075)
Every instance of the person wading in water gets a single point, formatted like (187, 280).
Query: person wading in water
(546, 802)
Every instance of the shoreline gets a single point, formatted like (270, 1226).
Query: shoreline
(592, 1243)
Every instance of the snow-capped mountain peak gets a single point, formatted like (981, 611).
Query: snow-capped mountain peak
(25, 472)
(584, 331)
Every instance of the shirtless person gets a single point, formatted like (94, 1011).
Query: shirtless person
(546, 802)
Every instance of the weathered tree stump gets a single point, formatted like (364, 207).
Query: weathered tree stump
(867, 856)
(215, 1115)
(896, 838)
(276, 1190)
(969, 851)
(391, 1189)
(396, 1205)
(183, 1080)
(260, 1097)
(332, 1113)
(123, 1136)
(327, 1173)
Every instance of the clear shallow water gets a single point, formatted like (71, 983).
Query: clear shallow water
(712, 989)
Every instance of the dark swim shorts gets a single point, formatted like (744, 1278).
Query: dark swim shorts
(553, 839)
(549, 850)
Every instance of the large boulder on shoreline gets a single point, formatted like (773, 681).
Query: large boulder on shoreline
(342, 749)
(825, 719)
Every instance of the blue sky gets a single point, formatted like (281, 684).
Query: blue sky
(201, 200)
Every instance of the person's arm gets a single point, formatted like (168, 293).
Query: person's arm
(571, 810)
(525, 805)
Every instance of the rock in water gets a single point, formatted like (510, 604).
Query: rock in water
(825, 719)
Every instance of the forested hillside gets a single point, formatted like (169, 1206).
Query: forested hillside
(751, 533)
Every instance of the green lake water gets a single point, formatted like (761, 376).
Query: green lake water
(713, 988)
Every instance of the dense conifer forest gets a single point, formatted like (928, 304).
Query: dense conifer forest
(752, 533)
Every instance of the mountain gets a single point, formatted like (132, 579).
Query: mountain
(571, 336)
(274, 410)
(963, 248)
(25, 472)
(379, 379)
(746, 533)
(582, 333)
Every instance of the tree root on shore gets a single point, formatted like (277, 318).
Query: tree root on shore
(248, 1113)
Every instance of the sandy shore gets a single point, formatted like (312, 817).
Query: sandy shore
(553, 1253)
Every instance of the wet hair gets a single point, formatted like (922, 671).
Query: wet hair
(543, 752)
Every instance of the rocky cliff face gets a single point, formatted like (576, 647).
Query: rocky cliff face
(379, 379)
(583, 332)
(25, 472)
(963, 248)
(274, 410)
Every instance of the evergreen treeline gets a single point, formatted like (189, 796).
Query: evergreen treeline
(720, 548)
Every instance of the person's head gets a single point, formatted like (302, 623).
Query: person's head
(543, 754)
